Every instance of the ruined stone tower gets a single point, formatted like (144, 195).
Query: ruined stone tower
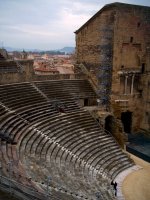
(114, 46)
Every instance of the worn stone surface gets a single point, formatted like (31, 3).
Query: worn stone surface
(120, 34)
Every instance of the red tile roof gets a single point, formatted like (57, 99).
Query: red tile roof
(46, 70)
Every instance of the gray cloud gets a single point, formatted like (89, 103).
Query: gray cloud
(45, 23)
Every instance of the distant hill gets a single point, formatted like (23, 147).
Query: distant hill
(67, 50)
(10, 49)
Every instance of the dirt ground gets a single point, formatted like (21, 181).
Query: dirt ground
(136, 186)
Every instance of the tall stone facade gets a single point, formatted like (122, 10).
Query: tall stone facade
(114, 45)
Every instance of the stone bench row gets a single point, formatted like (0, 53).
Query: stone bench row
(11, 167)
(24, 95)
(15, 97)
(73, 87)
(67, 127)
(25, 142)
(54, 167)
(13, 120)
(43, 142)
(65, 142)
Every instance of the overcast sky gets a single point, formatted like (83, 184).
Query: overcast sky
(46, 24)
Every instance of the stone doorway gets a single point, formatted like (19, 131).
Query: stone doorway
(126, 118)
(110, 124)
(86, 102)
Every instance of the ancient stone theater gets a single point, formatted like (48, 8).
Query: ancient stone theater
(63, 136)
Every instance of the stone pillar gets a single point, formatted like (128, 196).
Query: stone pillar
(126, 81)
(132, 84)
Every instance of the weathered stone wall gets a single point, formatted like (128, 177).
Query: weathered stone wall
(27, 74)
(131, 54)
(58, 77)
(145, 123)
(130, 83)
(90, 39)
(94, 50)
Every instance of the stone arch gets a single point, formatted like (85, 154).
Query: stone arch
(110, 124)
(126, 118)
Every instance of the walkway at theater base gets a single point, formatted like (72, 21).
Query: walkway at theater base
(136, 186)
(139, 145)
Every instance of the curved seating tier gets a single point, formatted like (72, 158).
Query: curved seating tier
(66, 89)
(53, 136)
(19, 95)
